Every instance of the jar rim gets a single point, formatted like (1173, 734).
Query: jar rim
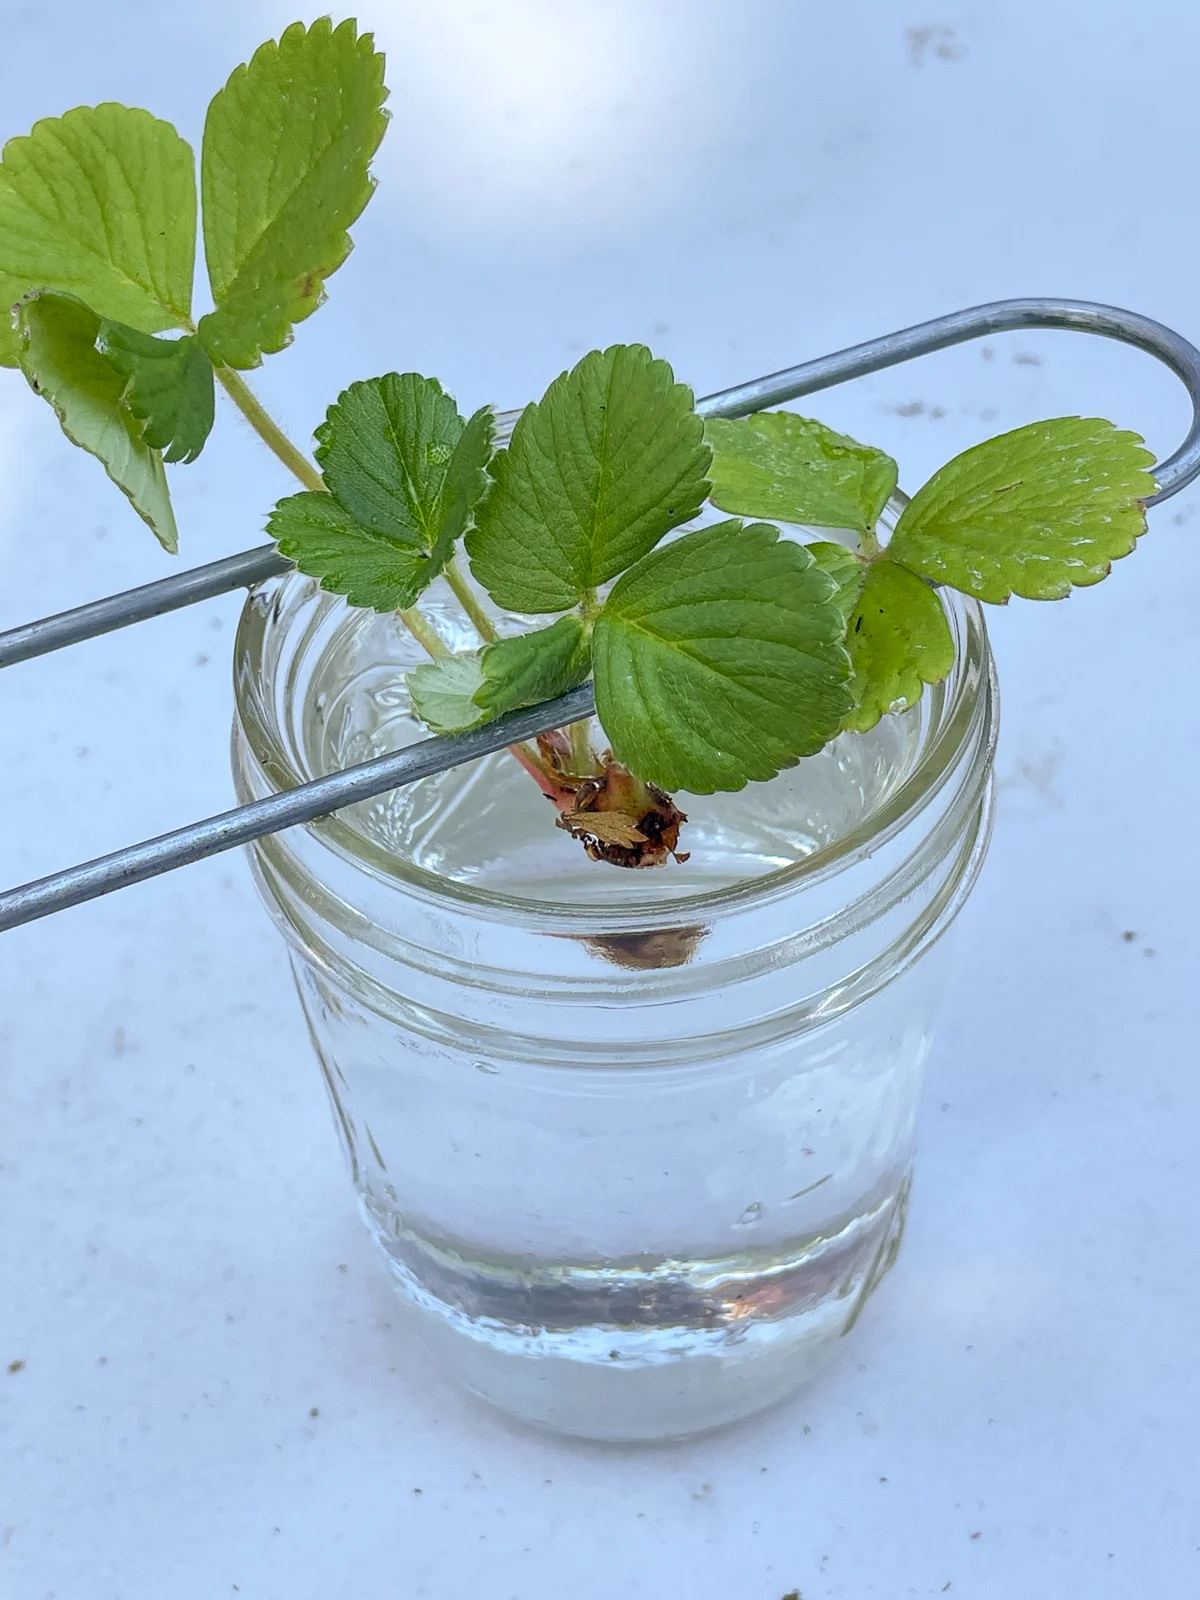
(951, 711)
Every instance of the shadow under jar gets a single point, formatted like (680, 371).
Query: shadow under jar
(636, 1145)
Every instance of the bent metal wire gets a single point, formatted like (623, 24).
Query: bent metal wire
(330, 793)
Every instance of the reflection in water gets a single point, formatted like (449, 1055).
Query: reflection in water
(648, 952)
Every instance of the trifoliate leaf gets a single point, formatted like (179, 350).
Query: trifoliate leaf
(719, 660)
(100, 204)
(59, 357)
(443, 692)
(608, 461)
(170, 387)
(534, 666)
(1032, 512)
(776, 464)
(846, 570)
(284, 172)
(405, 474)
(323, 540)
(899, 640)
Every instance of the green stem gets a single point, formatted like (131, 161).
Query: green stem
(584, 760)
(871, 548)
(585, 763)
(463, 594)
(267, 429)
(423, 632)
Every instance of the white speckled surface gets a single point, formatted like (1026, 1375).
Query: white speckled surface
(213, 1400)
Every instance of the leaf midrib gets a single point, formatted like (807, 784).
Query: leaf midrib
(429, 524)
(602, 461)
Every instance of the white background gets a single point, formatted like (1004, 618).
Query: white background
(213, 1400)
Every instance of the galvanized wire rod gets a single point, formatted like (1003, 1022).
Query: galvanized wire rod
(324, 795)
(284, 810)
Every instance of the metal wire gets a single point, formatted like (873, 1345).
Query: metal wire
(305, 804)
(324, 795)
(138, 605)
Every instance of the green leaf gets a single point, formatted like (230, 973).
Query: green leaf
(405, 474)
(324, 541)
(101, 204)
(899, 640)
(59, 357)
(846, 570)
(534, 666)
(443, 692)
(385, 449)
(170, 388)
(284, 172)
(719, 660)
(466, 480)
(1032, 512)
(608, 461)
(776, 464)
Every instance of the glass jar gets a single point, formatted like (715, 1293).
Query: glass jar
(635, 1145)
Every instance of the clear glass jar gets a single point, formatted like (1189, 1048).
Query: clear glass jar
(636, 1145)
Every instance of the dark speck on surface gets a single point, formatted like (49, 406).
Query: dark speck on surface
(937, 40)
(16, 1366)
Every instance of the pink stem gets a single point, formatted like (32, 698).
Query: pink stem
(564, 799)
